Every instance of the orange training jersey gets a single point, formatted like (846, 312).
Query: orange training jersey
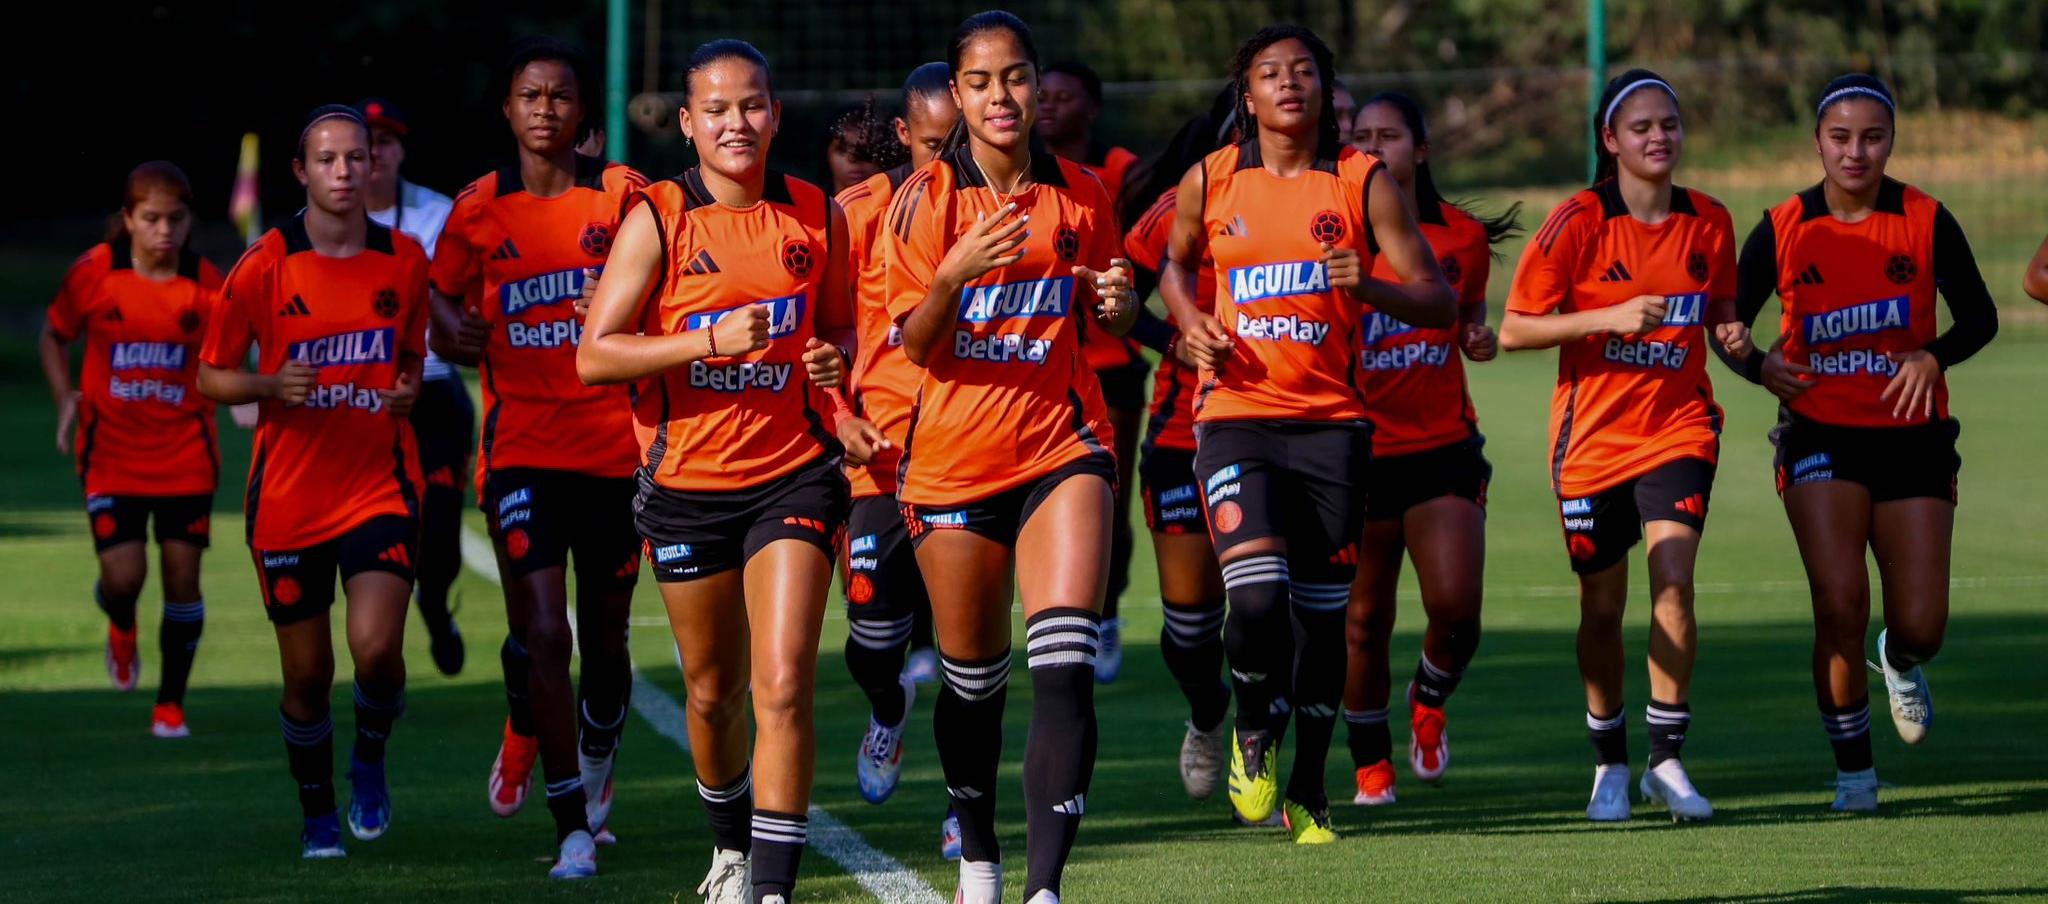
(1106, 350)
(729, 423)
(1624, 405)
(1174, 385)
(1414, 377)
(884, 379)
(339, 458)
(1854, 294)
(143, 427)
(1296, 337)
(1007, 395)
(526, 254)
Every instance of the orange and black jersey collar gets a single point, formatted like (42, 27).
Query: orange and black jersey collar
(124, 259)
(1612, 204)
(1891, 199)
(589, 174)
(1045, 168)
(377, 238)
(774, 189)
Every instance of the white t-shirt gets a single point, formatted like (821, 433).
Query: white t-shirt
(420, 213)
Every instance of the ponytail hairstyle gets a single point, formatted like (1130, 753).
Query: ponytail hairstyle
(1499, 227)
(1850, 87)
(153, 176)
(1196, 139)
(874, 136)
(973, 27)
(1605, 166)
(1328, 142)
(719, 51)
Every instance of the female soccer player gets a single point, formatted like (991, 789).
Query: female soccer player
(1426, 491)
(718, 289)
(337, 307)
(1620, 279)
(1001, 258)
(1190, 585)
(848, 152)
(1866, 447)
(1293, 221)
(556, 459)
(145, 441)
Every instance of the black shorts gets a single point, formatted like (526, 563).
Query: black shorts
(298, 584)
(124, 519)
(1600, 529)
(696, 535)
(1173, 497)
(1893, 463)
(539, 516)
(1396, 483)
(444, 420)
(1298, 480)
(1002, 517)
(882, 580)
(1124, 388)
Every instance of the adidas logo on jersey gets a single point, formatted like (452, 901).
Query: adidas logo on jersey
(701, 265)
(506, 252)
(1616, 273)
(1236, 227)
(295, 308)
(1809, 276)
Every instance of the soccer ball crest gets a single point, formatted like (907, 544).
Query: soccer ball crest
(797, 258)
(596, 239)
(385, 303)
(1696, 264)
(1327, 227)
(1900, 269)
(1452, 271)
(1067, 243)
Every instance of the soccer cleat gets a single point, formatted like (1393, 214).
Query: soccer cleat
(1202, 760)
(880, 762)
(369, 806)
(1307, 826)
(447, 650)
(1044, 896)
(1912, 703)
(729, 881)
(922, 666)
(1856, 792)
(1109, 655)
(1275, 821)
(597, 784)
(980, 883)
(1666, 783)
(167, 720)
(949, 836)
(1253, 787)
(1429, 739)
(124, 661)
(1610, 793)
(512, 771)
(577, 859)
(1375, 785)
(321, 839)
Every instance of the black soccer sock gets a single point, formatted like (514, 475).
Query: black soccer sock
(1368, 736)
(120, 610)
(730, 811)
(1667, 724)
(1191, 642)
(177, 642)
(1609, 736)
(1318, 610)
(1848, 730)
(1059, 748)
(603, 694)
(518, 666)
(1257, 636)
(874, 656)
(309, 749)
(569, 805)
(376, 710)
(440, 559)
(1433, 686)
(967, 723)
(778, 847)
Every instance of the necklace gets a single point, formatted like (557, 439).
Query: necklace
(1015, 184)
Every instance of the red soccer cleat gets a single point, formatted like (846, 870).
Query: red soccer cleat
(1429, 740)
(124, 662)
(1375, 785)
(512, 772)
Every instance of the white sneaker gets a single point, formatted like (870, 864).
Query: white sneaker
(597, 789)
(578, 857)
(880, 762)
(980, 883)
(1856, 792)
(1668, 784)
(1044, 896)
(922, 667)
(729, 881)
(1912, 703)
(1610, 793)
(1203, 757)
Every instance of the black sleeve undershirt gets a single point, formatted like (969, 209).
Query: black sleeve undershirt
(1756, 280)
(1973, 314)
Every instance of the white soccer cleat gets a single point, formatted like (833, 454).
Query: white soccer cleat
(1667, 784)
(577, 859)
(729, 881)
(1912, 702)
(1856, 792)
(597, 790)
(1610, 793)
(1203, 757)
(980, 883)
(880, 762)
(1044, 896)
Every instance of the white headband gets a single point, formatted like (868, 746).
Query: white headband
(1839, 94)
(1607, 118)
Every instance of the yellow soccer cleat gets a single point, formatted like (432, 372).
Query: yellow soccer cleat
(1253, 788)
(1308, 826)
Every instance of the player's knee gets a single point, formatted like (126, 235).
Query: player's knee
(307, 686)
(122, 582)
(716, 699)
(1914, 641)
(782, 699)
(548, 639)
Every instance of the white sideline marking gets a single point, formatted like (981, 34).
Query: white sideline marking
(888, 880)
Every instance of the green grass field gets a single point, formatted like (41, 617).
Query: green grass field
(103, 811)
